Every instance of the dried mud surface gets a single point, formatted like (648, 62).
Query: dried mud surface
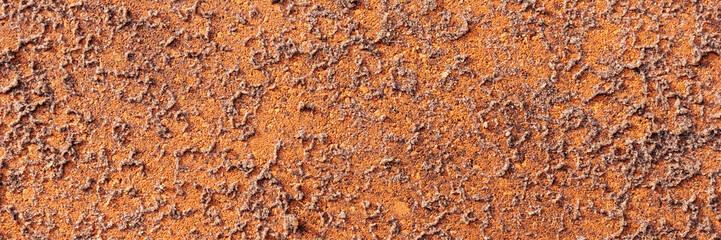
(360, 119)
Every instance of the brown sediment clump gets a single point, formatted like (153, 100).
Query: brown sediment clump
(360, 119)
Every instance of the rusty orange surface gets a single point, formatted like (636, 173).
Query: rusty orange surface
(360, 119)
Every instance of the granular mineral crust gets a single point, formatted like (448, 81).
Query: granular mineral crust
(360, 119)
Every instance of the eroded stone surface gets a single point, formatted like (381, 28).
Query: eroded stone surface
(359, 119)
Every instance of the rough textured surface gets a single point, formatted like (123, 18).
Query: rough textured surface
(360, 119)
